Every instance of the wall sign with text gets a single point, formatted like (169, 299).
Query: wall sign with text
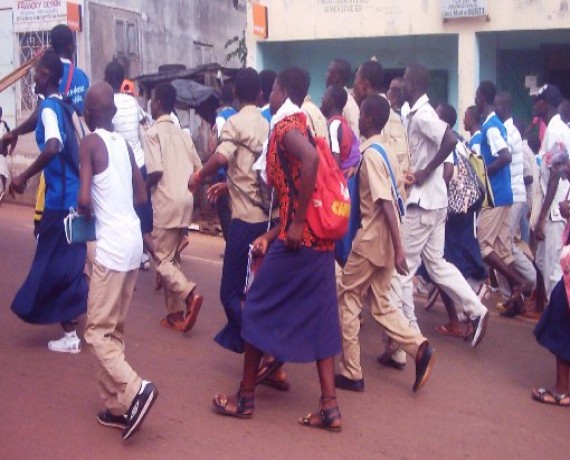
(454, 9)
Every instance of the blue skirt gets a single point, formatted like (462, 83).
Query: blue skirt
(291, 309)
(55, 289)
(553, 329)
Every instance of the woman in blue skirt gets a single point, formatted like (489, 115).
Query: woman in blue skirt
(55, 290)
(291, 309)
(553, 329)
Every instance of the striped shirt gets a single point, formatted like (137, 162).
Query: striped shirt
(127, 123)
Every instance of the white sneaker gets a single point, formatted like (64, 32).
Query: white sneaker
(67, 344)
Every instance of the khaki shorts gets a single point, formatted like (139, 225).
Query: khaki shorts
(494, 233)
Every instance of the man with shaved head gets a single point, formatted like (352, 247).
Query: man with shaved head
(110, 186)
(431, 142)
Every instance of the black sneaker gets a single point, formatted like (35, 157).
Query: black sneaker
(105, 418)
(344, 383)
(139, 408)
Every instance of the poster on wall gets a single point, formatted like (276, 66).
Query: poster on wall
(39, 14)
(454, 9)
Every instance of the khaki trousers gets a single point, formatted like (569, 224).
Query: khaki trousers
(358, 277)
(109, 298)
(175, 285)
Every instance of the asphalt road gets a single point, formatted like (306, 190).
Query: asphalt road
(476, 406)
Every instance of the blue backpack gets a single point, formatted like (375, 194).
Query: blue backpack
(343, 247)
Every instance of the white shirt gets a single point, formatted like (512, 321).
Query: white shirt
(127, 123)
(119, 238)
(517, 162)
(557, 136)
(425, 135)
(333, 134)
(51, 126)
(494, 138)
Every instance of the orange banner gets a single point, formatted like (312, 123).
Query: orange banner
(74, 16)
(260, 21)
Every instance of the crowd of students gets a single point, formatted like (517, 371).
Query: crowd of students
(136, 179)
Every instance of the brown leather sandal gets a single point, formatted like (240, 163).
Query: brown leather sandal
(330, 419)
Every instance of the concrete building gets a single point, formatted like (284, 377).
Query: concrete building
(515, 43)
(142, 34)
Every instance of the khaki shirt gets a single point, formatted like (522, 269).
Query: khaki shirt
(171, 152)
(373, 240)
(351, 112)
(250, 128)
(395, 140)
(316, 121)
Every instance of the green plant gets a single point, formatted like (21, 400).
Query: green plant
(236, 48)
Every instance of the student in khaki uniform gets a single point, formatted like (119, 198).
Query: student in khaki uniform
(339, 73)
(368, 81)
(171, 158)
(110, 186)
(377, 250)
(241, 142)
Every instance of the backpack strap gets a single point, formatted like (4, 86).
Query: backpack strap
(69, 78)
(395, 193)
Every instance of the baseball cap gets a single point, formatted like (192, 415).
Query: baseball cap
(549, 93)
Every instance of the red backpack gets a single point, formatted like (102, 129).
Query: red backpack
(349, 144)
(329, 209)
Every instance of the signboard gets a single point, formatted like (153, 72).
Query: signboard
(39, 14)
(260, 20)
(453, 9)
(74, 16)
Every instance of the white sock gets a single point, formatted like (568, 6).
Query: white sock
(71, 335)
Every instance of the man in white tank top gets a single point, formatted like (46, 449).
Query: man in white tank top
(109, 180)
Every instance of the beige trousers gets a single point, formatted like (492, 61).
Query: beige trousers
(358, 277)
(175, 285)
(109, 298)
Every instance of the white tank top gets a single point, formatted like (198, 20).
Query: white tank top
(119, 238)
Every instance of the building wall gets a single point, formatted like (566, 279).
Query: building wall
(308, 20)
(172, 32)
(313, 32)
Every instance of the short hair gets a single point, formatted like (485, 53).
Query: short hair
(420, 76)
(344, 70)
(296, 82)
(166, 94)
(115, 74)
(374, 73)
(448, 113)
(472, 109)
(506, 99)
(487, 91)
(227, 94)
(338, 95)
(378, 109)
(53, 64)
(267, 79)
(247, 85)
(60, 38)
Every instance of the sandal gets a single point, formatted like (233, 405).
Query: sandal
(277, 381)
(267, 369)
(444, 329)
(550, 397)
(168, 323)
(235, 406)
(193, 305)
(327, 419)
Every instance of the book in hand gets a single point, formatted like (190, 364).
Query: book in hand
(78, 228)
